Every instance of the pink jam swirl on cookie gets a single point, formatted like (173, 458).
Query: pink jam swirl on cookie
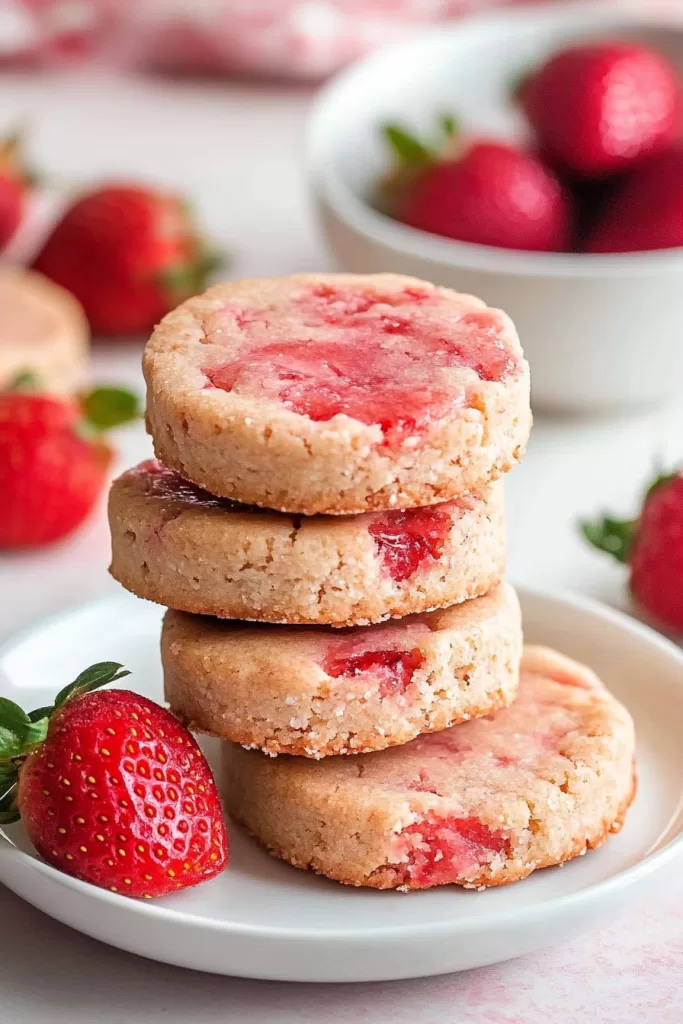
(394, 670)
(444, 849)
(378, 359)
(387, 654)
(407, 540)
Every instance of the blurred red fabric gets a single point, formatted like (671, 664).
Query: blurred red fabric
(282, 38)
(290, 38)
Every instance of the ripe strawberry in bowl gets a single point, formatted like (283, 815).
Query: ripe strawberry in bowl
(645, 211)
(129, 254)
(481, 191)
(652, 547)
(53, 460)
(111, 789)
(599, 108)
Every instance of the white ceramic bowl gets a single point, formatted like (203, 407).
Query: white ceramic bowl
(602, 333)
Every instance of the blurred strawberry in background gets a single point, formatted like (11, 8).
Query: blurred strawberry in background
(53, 460)
(602, 107)
(652, 548)
(477, 190)
(645, 211)
(602, 171)
(129, 254)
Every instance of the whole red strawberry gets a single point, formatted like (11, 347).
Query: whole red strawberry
(112, 789)
(652, 546)
(646, 211)
(14, 188)
(488, 193)
(129, 254)
(53, 466)
(598, 108)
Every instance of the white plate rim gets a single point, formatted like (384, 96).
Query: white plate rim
(518, 916)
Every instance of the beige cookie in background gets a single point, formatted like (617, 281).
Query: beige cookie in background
(481, 804)
(316, 692)
(43, 332)
(178, 545)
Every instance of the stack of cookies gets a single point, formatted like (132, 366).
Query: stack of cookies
(326, 525)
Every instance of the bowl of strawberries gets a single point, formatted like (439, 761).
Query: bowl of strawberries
(533, 158)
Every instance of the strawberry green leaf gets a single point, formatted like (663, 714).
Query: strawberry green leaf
(24, 381)
(11, 744)
(191, 277)
(19, 733)
(615, 536)
(212, 260)
(105, 408)
(12, 717)
(179, 282)
(92, 678)
(36, 733)
(449, 125)
(35, 716)
(406, 147)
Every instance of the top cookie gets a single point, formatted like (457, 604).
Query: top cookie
(337, 393)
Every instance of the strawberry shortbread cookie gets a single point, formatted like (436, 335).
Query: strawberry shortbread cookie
(43, 333)
(178, 545)
(337, 393)
(485, 803)
(316, 692)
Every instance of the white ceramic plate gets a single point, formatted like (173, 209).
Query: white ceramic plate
(264, 919)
